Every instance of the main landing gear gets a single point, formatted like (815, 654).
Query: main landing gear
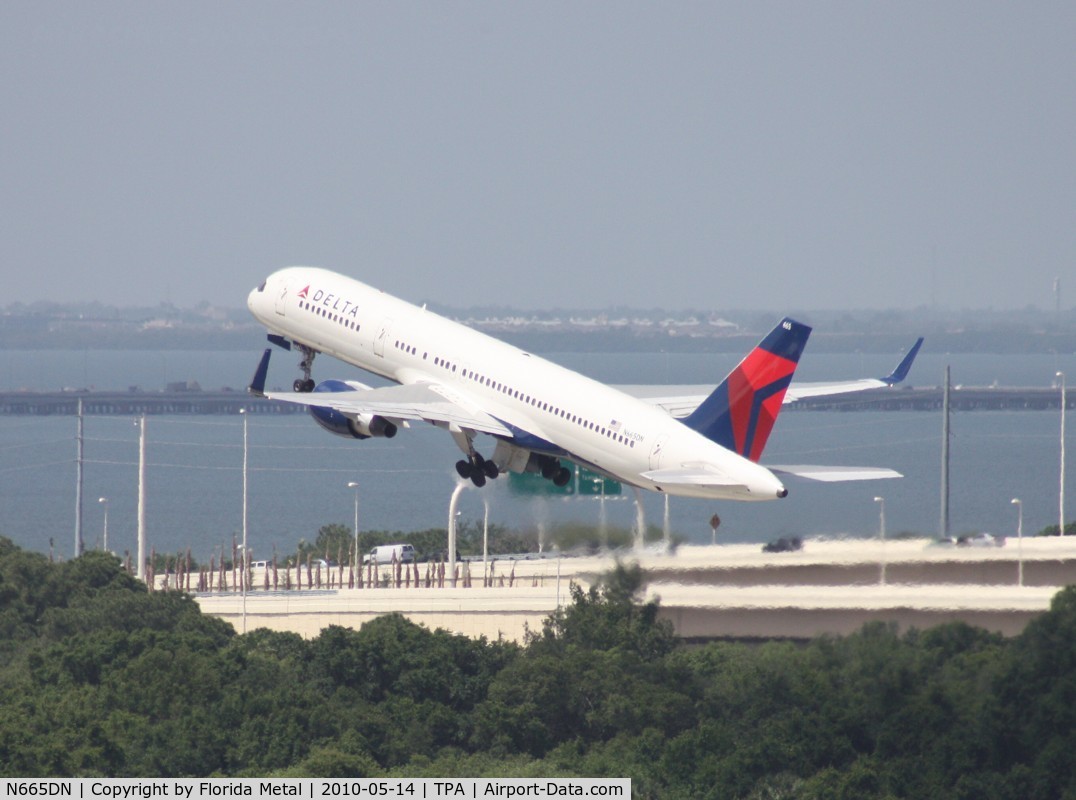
(552, 471)
(477, 469)
(306, 383)
(472, 467)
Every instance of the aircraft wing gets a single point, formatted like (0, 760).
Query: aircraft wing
(680, 401)
(425, 402)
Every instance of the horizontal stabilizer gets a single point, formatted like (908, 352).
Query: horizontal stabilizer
(828, 474)
(691, 476)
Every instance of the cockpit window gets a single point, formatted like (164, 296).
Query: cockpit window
(262, 287)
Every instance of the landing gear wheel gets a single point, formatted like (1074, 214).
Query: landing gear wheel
(478, 479)
(306, 383)
(563, 476)
(549, 469)
(490, 469)
(463, 468)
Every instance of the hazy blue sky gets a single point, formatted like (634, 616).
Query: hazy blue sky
(710, 155)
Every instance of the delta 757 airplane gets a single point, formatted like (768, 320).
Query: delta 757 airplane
(676, 440)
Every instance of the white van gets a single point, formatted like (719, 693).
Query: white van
(382, 554)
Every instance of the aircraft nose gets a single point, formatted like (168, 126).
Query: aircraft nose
(254, 296)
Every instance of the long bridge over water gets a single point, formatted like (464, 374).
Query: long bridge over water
(137, 403)
(204, 402)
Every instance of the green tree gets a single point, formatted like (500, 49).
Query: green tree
(596, 670)
(609, 615)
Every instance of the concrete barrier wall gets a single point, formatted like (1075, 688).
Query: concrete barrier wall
(711, 592)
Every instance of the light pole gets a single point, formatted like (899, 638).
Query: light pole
(246, 557)
(603, 527)
(667, 528)
(141, 570)
(104, 502)
(640, 521)
(1016, 501)
(453, 516)
(485, 532)
(78, 483)
(881, 528)
(354, 485)
(1061, 493)
(243, 584)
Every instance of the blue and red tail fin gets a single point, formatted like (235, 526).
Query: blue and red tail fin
(741, 412)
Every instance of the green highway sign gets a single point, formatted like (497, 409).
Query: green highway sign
(584, 482)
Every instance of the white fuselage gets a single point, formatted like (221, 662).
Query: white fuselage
(550, 409)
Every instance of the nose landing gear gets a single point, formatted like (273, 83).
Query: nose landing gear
(306, 383)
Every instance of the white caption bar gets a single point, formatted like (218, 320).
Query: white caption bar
(311, 788)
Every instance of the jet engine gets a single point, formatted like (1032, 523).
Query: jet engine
(353, 426)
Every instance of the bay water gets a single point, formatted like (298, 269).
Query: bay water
(298, 473)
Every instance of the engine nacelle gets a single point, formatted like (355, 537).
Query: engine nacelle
(353, 426)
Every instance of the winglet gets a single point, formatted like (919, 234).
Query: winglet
(901, 372)
(257, 384)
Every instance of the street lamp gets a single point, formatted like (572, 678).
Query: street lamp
(141, 570)
(603, 527)
(243, 583)
(667, 528)
(485, 531)
(354, 485)
(104, 502)
(1016, 501)
(881, 527)
(1061, 493)
(243, 414)
(453, 518)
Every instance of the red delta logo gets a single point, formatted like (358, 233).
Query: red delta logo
(303, 292)
(756, 391)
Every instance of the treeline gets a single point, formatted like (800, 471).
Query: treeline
(100, 678)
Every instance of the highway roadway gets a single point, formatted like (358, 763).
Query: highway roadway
(734, 591)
